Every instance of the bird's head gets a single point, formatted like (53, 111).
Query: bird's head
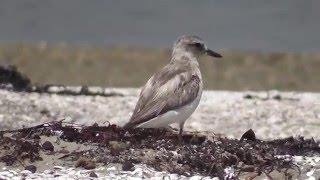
(193, 45)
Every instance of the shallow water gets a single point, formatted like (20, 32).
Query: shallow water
(287, 25)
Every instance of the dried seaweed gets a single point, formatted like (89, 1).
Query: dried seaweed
(160, 149)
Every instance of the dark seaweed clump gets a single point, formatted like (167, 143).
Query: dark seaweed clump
(160, 149)
(12, 79)
(10, 76)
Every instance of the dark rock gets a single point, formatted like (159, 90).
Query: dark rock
(248, 96)
(31, 168)
(277, 97)
(127, 166)
(249, 135)
(48, 146)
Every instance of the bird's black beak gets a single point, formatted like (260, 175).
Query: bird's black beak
(213, 54)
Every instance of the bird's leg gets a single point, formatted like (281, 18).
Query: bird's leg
(181, 129)
(180, 132)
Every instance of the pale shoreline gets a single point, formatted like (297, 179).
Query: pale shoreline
(270, 114)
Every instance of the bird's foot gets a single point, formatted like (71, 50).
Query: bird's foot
(176, 131)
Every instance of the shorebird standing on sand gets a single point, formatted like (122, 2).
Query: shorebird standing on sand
(172, 94)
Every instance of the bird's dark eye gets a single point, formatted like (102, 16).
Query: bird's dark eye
(198, 45)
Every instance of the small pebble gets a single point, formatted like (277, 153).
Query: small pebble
(58, 167)
(85, 163)
(93, 174)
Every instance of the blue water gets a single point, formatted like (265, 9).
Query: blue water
(264, 25)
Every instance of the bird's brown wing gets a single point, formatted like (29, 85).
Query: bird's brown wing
(165, 91)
